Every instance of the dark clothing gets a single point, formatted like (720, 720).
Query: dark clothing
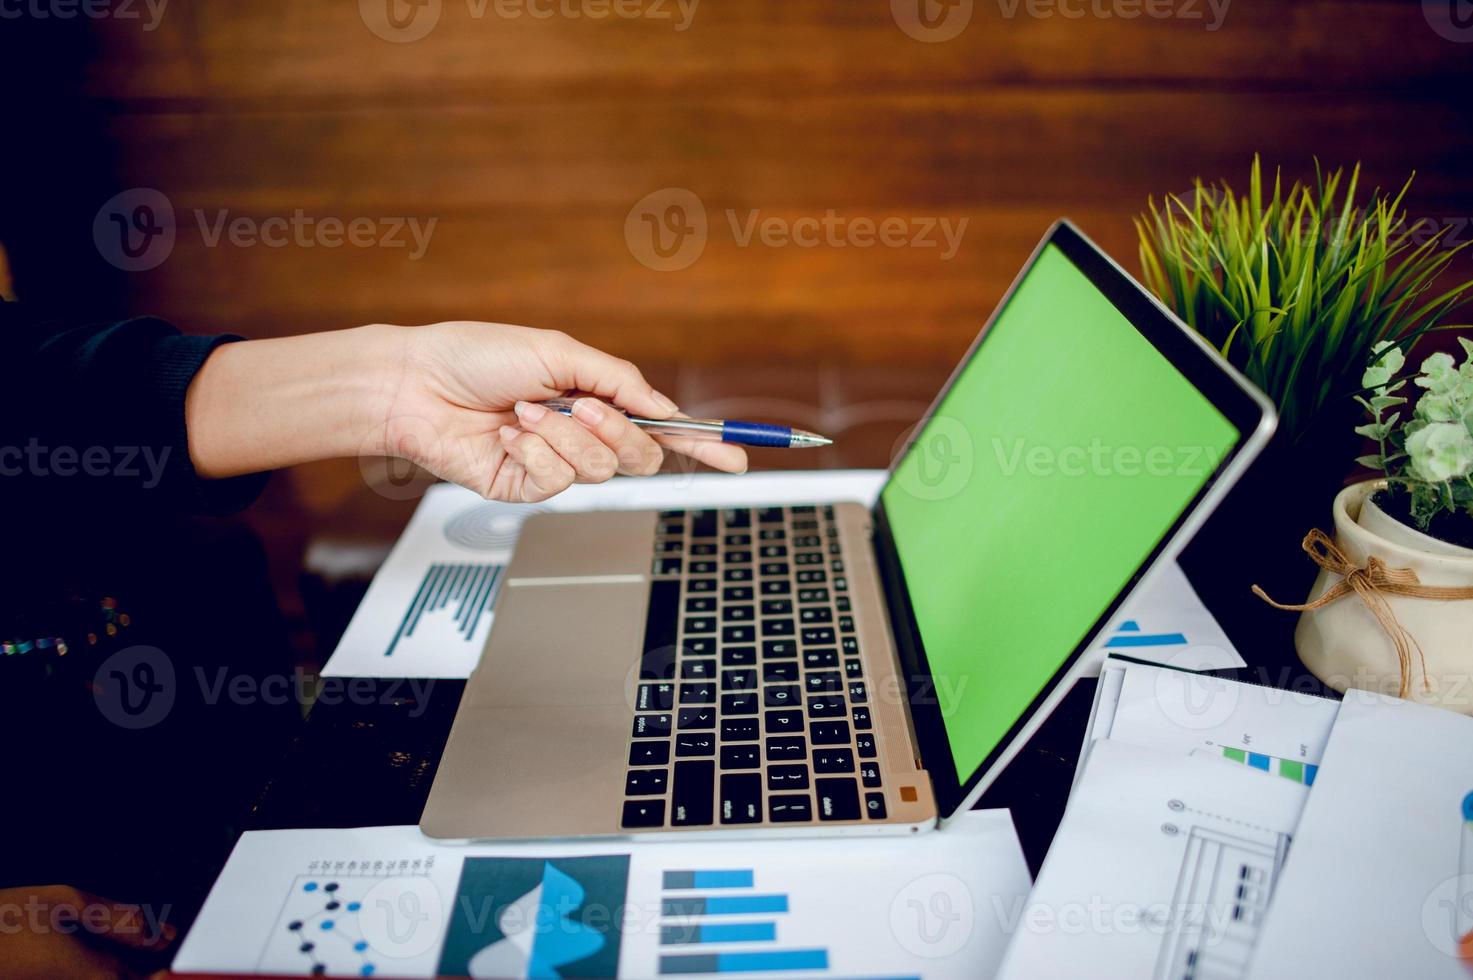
(125, 605)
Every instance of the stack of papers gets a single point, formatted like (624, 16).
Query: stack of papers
(387, 901)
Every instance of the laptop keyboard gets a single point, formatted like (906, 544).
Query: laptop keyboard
(752, 702)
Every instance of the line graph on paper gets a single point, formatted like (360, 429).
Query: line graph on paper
(1227, 875)
(452, 605)
(318, 929)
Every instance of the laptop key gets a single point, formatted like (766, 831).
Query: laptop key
(703, 524)
(852, 668)
(772, 534)
(691, 744)
(737, 540)
(823, 682)
(737, 575)
(813, 595)
(737, 517)
(738, 557)
(773, 569)
(702, 550)
(651, 726)
(699, 646)
(829, 732)
(846, 624)
(646, 782)
(869, 774)
(777, 627)
(741, 797)
(661, 620)
(770, 515)
(667, 566)
(700, 624)
(696, 718)
(701, 585)
(701, 604)
(874, 805)
(776, 586)
(808, 558)
(850, 646)
(697, 670)
(654, 697)
(741, 756)
(789, 809)
(833, 760)
(692, 796)
(780, 672)
(649, 753)
(739, 730)
(818, 636)
(838, 798)
(773, 551)
(779, 649)
(777, 607)
(786, 748)
(738, 634)
(703, 568)
(739, 704)
(858, 693)
(865, 743)
(643, 813)
(861, 718)
(738, 614)
(737, 593)
(738, 656)
(743, 679)
(808, 576)
(782, 696)
(783, 722)
(787, 777)
(704, 693)
(820, 658)
(829, 706)
(843, 604)
(816, 614)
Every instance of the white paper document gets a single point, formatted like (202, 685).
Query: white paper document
(1162, 868)
(1379, 882)
(1280, 733)
(429, 609)
(386, 901)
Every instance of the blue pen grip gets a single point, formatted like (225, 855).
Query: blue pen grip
(756, 434)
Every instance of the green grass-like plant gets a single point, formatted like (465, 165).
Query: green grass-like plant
(1298, 286)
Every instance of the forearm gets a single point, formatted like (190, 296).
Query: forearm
(265, 404)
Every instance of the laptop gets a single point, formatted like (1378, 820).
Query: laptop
(841, 669)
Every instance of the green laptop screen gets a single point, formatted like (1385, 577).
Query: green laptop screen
(1061, 456)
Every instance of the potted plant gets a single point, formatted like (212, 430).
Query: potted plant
(1296, 285)
(1392, 608)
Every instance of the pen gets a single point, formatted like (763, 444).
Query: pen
(727, 430)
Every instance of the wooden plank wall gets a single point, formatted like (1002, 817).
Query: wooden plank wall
(529, 140)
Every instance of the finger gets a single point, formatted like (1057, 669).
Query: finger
(637, 453)
(547, 472)
(722, 456)
(577, 366)
(592, 461)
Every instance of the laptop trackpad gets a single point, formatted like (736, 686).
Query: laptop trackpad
(563, 645)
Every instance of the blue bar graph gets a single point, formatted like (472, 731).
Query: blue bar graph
(763, 962)
(708, 879)
(724, 905)
(719, 932)
(1119, 641)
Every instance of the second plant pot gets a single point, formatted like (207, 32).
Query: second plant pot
(1345, 645)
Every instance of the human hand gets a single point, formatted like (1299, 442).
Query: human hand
(466, 410)
(51, 931)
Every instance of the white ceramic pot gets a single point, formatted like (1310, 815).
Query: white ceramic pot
(1345, 646)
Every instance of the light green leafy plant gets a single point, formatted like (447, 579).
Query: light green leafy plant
(1430, 455)
(1297, 286)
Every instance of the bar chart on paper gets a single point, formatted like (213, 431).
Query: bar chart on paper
(718, 921)
(452, 605)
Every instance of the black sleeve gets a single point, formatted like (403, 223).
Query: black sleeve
(95, 414)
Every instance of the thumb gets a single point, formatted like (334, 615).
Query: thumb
(575, 365)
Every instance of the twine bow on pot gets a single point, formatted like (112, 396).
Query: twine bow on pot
(1373, 584)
